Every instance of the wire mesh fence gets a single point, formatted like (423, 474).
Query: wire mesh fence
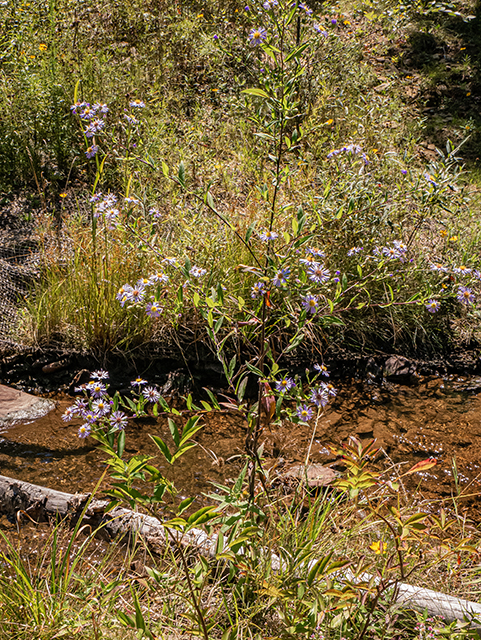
(19, 266)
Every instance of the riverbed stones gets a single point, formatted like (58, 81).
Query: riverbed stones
(315, 475)
(18, 406)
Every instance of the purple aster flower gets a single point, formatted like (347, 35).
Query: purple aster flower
(172, 262)
(84, 431)
(137, 294)
(477, 274)
(97, 389)
(329, 389)
(281, 277)
(319, 397)
(159, 276)
(432, 305)
(353, 251)
(462, 270)
(268, 236)
(151, 394)
(333, 21)
(391, 252)
(100, 106)
(216, 37)
(465, 295)
(87, 112)
(68, 414)
(404, 172)
(137, 104)
(79, 405)
(304, 412)
(258, 289)
(124, 294)
(308, 10)
(430, 179)
(101, 407)
(197, 272)
(310, 303)
(75, 108)
(92, 151)
(318, 273)
(90, 416)
(131, 119)
(322, 369)
(286, 384)
(257, 36)
(119, 420)
(318, 29)
(138, 382)
(270, 4)
(153, 309)
(100, 375)
(438, 267)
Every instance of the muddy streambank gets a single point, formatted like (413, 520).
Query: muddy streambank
(435, 417)
(49, 371)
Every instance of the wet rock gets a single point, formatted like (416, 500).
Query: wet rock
(54, 367)
(17, 406)
(399, 369)
(374, 370)
(315, 475)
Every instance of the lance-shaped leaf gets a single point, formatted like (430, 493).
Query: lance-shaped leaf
(424, 465)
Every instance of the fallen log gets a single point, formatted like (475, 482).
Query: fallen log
(39, 503)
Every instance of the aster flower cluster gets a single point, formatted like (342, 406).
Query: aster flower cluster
(398, 251)
(133, 295)
(98, 410)
(93, 121)
(464, 294)
(349, 150)
(316, 272)
(106, 207)
(320, 395)
(258, 35)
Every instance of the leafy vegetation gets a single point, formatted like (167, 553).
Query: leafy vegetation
(190, 65)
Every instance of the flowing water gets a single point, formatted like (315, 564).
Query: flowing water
(437, 418)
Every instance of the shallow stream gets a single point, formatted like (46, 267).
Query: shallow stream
(437, 418)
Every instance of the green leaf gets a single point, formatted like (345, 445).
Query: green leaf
(256, 92)
(295, 342)
(174, 431)
(218, 324)
(191, 427)
(241, 387)
(255, 370)
(212, 398)
(201, 516)
(121, 444)
(249, 231)
(165, 169)
(180, 295)
(297, 51)
(232, 364)
(181, 174)
(185, 504)
(196, 299)
(163, 447)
